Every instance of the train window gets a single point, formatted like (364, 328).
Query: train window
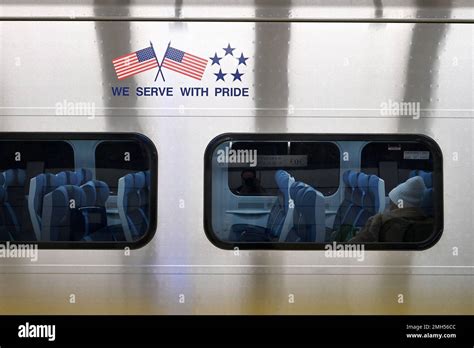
(77, 190)
(305, 191)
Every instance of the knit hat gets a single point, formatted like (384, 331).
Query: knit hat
(409, 193)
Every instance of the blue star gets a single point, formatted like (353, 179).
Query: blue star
(215, 59)
(220, 75)
(229, 50)
(237, 75)
(242, 59)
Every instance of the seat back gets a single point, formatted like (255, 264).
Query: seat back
(14, 183)
(355, 208)
(61, 218)
(40, 186)
(310, 215)
(4, 232)
(130, 205)
(280, 227)
(347, 200)
(291, 235)
(376, 197)
(94, 210)
(8, 222)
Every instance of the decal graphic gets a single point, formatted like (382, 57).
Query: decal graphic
(183, 63)
(135, 62)
(225, 78)
(234, 74)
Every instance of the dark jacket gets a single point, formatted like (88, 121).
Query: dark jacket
(389, 226)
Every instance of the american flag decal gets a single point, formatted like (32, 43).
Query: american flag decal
(184, 63)
(135, 63)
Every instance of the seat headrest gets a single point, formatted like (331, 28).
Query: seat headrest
(283, 179)
(133, 182)
(2, 179)
(353, 179)
(139, 180)
(345, 178)
(49, 181)
(69, 178)
(372, 192)
(363, 182)
(15, 177)
(96, 192)
(363, 188)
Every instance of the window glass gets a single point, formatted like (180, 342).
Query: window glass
(35, 157)
(115, 159)
(315, 162)
(308, 191)
(77, 190)
(394, 162)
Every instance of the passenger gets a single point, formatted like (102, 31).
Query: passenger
(404, 211)
(250, 183)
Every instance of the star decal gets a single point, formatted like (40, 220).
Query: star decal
(215, 59)
(237, 75)
(220, 75)
(242, 59)
(229, 50)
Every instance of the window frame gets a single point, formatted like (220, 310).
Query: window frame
(153, 153)
(438, 223)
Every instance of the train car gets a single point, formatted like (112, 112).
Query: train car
(186, 157)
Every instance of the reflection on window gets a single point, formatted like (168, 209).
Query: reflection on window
(83, 190)
(115, 159)
(315, 163)
(295, 190)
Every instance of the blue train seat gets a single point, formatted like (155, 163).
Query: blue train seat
(40, 186)
(277, 218)
(9, 226)
(94, 210)
(130, 206)
(346, 203)
(83, 175)
(310, 211)
(62, 219)
(14, 183)
(427, 200)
